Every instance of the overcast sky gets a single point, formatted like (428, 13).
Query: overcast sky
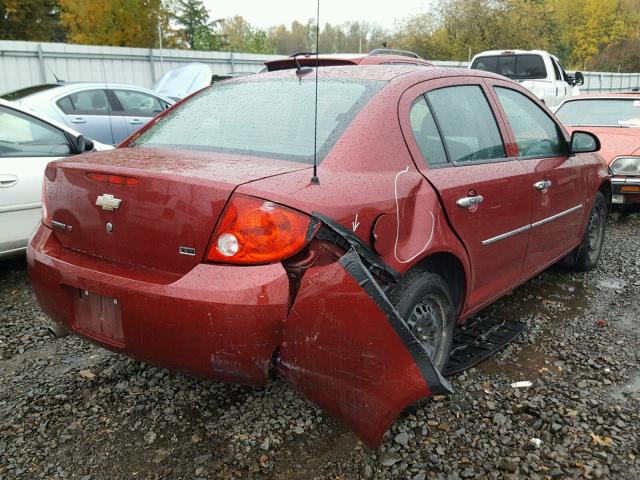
(266, 14)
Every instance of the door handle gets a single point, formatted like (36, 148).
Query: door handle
(8, 181)
(466, 202)
(78, 120)
(542, 184)
(136, 121)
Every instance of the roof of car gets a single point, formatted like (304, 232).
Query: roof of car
(373, 72)
(377, 56)
(28, 111)
(55, 89)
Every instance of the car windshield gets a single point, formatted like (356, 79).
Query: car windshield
(25, 92)
(518, 67)
(271, 118)
(601, 112)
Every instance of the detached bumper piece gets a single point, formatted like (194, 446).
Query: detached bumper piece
(347, 348)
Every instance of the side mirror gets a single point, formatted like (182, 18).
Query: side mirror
(584, 142)
(83, 144)
(578, 78)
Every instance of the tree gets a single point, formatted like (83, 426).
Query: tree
(623, 56)
(124, 23)
(32, 20)
(240, 36)
(198, 30)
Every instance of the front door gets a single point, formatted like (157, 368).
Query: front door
(456, 141)
(137, 108)
(554, 179)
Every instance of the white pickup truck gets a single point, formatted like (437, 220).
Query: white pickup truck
(537, 70)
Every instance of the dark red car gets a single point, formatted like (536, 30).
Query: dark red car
(615, 118)
(203, 245)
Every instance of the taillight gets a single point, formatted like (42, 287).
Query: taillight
(255, 231)
(49, 173)
(113, 179)
(45, 211)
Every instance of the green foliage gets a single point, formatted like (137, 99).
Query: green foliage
(240, 36)
(196, 29)
(124, 23)
(35, 20)
(583, 33)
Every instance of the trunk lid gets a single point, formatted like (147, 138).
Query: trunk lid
(163, 222)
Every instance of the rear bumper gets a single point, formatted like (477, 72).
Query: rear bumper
(625, 190)
(222, 322)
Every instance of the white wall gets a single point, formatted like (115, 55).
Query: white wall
(28, 63)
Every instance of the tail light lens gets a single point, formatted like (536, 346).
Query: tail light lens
(255, 231)
(46, 219)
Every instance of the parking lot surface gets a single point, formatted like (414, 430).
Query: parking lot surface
(69, 409)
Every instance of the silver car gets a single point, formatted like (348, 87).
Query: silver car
(105, 112)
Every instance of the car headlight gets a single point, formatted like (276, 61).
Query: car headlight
(626, 166)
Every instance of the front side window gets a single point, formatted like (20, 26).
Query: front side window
(270, 118)
(138, 104)
(467, 123)
(25, 136)
(426, 133)
(536, 134)
(87, 102)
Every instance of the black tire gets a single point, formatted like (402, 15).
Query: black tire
(586, 255)
(423, 300)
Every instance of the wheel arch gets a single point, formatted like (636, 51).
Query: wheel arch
(605, 188)
(451, 269)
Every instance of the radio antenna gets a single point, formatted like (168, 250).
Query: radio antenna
(314, 179)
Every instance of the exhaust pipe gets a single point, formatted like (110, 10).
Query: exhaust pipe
(57, 331)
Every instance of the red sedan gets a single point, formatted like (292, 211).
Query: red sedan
(615, 118)
(202, 243)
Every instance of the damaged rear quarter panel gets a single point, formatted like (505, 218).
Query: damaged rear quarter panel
(346, 348)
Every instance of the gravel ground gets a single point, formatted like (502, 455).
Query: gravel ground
(69, 409)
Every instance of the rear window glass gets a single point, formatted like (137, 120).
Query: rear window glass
(520, 67)
(272, 118)
(604, 112)
(25, 92)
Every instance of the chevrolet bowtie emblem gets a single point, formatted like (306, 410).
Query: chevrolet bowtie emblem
(108, 202)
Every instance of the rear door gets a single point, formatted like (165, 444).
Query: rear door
(554, 179)
(89, 112)
(461, 148)
(26, 146)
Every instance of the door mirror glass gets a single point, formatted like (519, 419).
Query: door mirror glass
(578, 78)
(584, 142)
(83, 144)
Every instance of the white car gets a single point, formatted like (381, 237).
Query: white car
(106, 112)
(28, 142)
(537, 70)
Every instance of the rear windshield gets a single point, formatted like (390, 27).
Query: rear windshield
(272, 118)
(518, 67)
(601, 112)
(25, 92)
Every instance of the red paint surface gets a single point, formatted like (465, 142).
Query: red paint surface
(216, 321)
